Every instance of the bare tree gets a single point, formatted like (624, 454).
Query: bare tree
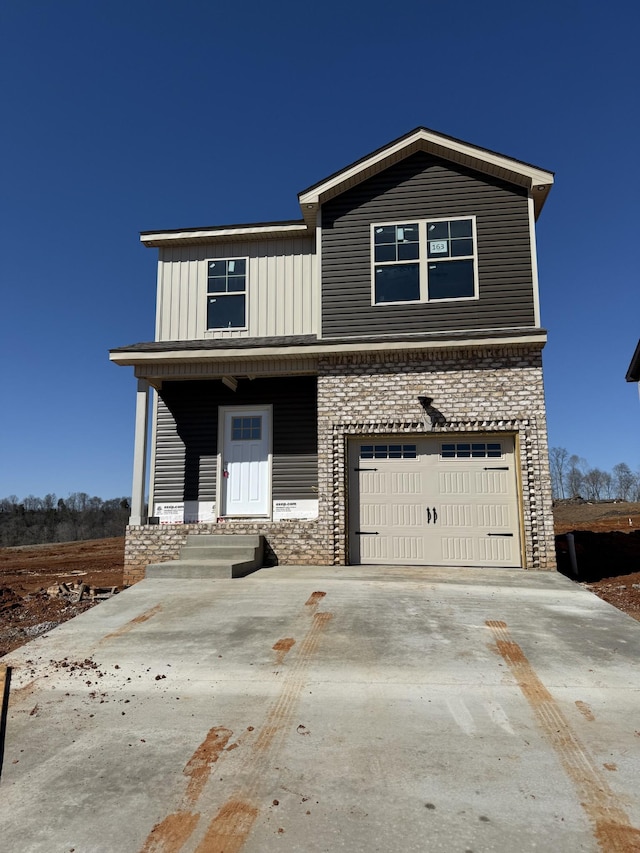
(558, 460)
(594, 483)
(574, 476)
(623, 479)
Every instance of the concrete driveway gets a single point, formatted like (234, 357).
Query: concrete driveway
(320, 709)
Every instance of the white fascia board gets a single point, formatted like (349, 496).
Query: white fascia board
(532, 175)
(209, 234)
(133, 358)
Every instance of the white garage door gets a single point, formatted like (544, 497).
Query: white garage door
(442, 501)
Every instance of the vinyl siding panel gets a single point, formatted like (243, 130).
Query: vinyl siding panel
(187, 436)
(281, 289)
(424, 187)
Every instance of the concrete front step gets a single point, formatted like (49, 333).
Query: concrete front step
(222, 569)
(225, 555)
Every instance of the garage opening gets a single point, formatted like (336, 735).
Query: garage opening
(436, 501)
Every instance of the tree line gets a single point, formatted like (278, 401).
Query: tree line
(571, 477)
(35, 521)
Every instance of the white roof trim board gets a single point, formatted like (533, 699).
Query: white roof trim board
(208, 235)
(534, 179)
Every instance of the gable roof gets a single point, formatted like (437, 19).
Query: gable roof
(537, 181)
(633, 373)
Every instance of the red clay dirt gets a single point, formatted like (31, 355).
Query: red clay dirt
(607, 540)
(607, 543)
(27, 571)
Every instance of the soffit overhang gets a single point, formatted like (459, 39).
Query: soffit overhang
(181, 354)
(535, 180)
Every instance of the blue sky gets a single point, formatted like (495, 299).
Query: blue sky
(127, 116)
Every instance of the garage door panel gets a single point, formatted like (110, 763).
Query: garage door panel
(374, 548)
(436, 502)
(456, 549)
(492, 482)
(374, 483)
(454, 482)
(406, 483)
(456, 515)
(386, 549)
(407, 515)
(496, 550)
(493, 516)
(408, 549)
(374, 516)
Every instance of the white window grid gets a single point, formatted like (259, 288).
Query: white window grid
(227, 292)
(423, 260)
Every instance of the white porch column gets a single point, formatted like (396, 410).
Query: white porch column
(140, 454)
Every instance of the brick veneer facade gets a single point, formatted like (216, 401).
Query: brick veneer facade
(484, 390)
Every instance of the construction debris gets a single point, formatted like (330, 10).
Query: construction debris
(75, 592)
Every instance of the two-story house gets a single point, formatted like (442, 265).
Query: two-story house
(361, 385)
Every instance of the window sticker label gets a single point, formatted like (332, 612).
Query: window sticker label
(438, 247)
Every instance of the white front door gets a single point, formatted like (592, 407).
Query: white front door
(246, 456)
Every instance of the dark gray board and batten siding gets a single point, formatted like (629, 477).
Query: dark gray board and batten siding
(425, 187)
(187, 436)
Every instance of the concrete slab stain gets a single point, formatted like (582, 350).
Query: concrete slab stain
(231, 826)
(612, 827)
(229, 829)
(133, 623)
(585, 710)
(282, 647)
(281, 713)
(169, 835)
(198, 767)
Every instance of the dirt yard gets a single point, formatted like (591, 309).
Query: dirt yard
(33, 598)
(44, 585)
(607, 543)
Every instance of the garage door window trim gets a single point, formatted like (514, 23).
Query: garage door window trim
(388, 451)
(471, 450)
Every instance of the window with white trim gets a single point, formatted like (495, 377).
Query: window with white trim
(427, 260)
(227, 293)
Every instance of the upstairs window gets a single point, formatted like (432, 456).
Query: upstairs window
(424, 261)
(227, 294)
